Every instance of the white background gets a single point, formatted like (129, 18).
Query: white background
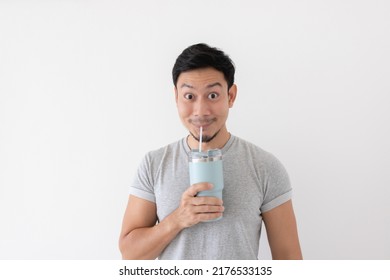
(86, 91)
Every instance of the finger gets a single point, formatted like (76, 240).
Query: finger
(206, 200)
(209, 216)
(208, 209)
(195, 188)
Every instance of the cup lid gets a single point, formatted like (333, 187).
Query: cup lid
(205, 156)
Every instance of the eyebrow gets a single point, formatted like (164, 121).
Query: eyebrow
(186, 85)
(208, 86)
(214, 84)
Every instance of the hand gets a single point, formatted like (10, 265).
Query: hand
(193, 209)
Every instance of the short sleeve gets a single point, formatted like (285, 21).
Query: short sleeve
(142, 185)
(277, 187)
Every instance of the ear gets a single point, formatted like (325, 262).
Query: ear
(232, 94)
(176, 94)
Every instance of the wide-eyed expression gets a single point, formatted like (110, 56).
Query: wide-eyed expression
(203, 100)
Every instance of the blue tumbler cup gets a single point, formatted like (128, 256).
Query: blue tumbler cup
(207, 167)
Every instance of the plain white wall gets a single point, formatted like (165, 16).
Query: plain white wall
(86, 91)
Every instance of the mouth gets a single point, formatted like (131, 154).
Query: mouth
(198, 123)
(198, 126)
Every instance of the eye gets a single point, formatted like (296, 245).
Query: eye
(212, 95)
(189, 96)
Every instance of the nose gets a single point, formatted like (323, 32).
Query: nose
(201, 108)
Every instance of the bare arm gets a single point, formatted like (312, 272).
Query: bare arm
(142, 238)
(282, 232)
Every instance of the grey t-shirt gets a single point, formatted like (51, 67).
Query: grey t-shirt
(254, 182)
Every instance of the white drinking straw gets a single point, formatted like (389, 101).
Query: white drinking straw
(200, 139)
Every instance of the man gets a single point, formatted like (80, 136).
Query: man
(165, 218)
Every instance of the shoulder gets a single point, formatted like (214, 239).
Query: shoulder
(252, 150)
(157, 155)
(261, 159)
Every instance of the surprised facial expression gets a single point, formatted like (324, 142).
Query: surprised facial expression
(203, 100)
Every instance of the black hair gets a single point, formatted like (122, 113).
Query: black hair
(202, 56)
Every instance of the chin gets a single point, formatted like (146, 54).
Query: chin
(206, 137)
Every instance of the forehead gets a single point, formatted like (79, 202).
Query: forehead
(200, 78)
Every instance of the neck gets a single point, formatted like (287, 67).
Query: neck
(217, 143)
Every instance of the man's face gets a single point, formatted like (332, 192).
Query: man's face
(203, 100)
